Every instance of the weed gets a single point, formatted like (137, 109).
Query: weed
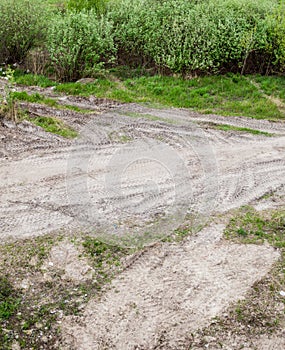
(271, 85)
(34, 98)
(252, 227)
(101, 252)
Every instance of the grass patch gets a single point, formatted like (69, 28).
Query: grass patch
(33, 98)
(115, 136)
(250, 226)
(228, 95)
(38, 98)
(32, 79)
(225, 127)
(9, 299)
(225, 95)
(102, 254)
(53, 125)
(101, 87)
(271, 86)
(147, 116)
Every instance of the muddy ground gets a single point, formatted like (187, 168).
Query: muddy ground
(134, 175)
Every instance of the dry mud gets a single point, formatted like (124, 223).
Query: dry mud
(142, 170)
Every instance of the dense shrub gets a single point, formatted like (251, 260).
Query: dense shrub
(79, 43)
(22, 26)
(191, 35)
(274, 44)
(172, 35)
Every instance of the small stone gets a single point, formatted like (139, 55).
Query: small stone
(44, 339)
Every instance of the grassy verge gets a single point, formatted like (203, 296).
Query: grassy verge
(225, 95)
(33, 299)
(262, 312)
(228, 95)
(32, 80)
(38, 98)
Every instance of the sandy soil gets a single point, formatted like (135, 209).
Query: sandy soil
(169, 292)
(48, 182)
(142, 170)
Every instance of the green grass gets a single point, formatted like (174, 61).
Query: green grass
(32, 79)
(9, 300)
(53, 125)
(101, 253)
(225, 127)
(33, 98)
(250, 226)
(229, 95)
(38, 98)
(49, 124)
(147, 116)
(272, 86)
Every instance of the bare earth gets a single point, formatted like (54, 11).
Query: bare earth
(137, 169)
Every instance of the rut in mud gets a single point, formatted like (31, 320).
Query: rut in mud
(143, 170)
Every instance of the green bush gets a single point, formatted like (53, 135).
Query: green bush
(23, 25)
(275, 42)
(172, 35)
(191, 35)
(79, 43)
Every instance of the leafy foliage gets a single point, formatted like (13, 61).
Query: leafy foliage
(23, 24)
(174, 36)
(275, 43)
(98, 5)
(186, 35)
(79, 43)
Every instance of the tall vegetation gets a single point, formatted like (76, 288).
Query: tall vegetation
(176, 36)
(79, 43)
(23, 24)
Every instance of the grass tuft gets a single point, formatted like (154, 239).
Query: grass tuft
(53, 125)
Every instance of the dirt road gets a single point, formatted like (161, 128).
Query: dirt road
(142, 170)
(126, 171)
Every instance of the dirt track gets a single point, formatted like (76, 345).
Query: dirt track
(137, 169)
(48, 183)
